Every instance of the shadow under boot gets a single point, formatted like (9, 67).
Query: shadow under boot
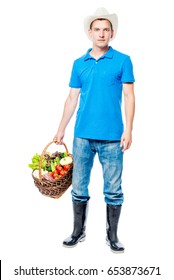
(80, 210)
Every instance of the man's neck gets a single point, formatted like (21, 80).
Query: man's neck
(98, 52)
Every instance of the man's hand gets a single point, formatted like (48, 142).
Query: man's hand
(126, 140)
(129, 100)
(58, 138)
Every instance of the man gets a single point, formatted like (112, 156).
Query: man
(99, 77)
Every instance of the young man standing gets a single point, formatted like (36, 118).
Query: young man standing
(99, 77)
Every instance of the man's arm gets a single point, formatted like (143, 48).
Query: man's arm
(69, 109)
(129, 102)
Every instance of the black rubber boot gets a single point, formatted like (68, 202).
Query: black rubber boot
(80, 215)
(113, 214)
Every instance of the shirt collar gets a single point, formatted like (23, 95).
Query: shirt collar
(108, 54)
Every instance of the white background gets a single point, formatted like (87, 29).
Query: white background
(39, 41)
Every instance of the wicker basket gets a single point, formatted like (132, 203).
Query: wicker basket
(56, 188)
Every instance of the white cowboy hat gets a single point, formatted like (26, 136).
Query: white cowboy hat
(101, 13)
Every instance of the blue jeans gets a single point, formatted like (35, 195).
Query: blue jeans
(111, 158)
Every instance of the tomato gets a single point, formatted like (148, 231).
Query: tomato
(55, 173)
(57, 176)
(63, 172)
(59, 167)
(67, 166)
(51, 173)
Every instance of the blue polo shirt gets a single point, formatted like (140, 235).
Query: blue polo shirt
(99, 115)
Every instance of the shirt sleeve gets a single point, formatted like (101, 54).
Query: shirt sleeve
(127, 71)
(75, 79)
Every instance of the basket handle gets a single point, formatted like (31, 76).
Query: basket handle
(44, 152)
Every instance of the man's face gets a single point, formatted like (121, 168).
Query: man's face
(101, 33)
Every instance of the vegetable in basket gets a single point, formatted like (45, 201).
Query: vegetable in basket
(54, 166)
(50, 177)
(36, 173)
(66, 160)
(35, 162)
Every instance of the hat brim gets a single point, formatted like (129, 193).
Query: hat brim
(111, 17)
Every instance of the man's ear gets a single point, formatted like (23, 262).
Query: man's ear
(89, 32)
(112, 34)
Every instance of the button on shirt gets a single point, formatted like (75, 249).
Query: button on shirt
(99, 115)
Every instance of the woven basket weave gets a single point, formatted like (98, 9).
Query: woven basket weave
(57, 188)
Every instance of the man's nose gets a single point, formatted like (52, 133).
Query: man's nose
(101, 34)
